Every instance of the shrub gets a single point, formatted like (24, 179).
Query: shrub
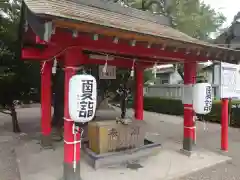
(164, 106)
(175, 107)
(234, 112)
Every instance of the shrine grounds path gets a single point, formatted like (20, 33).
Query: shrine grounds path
(161, 128)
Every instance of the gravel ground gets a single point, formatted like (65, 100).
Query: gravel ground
(226, 171)
(8, 140)
(8, 162)
(163, 126)
(208, 137)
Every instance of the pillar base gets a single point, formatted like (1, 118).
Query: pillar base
(188, 153)
(189, 147)
(188, 144)
(68, 172)
(46, 142)
(224, 151)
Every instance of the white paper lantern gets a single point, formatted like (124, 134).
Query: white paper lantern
(82, 98)
(202, 98)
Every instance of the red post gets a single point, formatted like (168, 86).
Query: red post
(46, 99)
(71, 156)
(194, 115)
(189, 124)
(139, 93)
(224, 124)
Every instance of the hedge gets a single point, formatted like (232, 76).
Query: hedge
(175, 107)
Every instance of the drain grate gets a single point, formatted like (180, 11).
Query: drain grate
(134, 166)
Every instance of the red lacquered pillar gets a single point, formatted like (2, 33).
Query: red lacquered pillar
(189, 124)
(224, 124)
(71, 161)
(46, 99)
(139, 93)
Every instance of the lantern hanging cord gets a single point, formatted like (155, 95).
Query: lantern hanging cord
(75, 148)
(150, 61)
(154, 70)
(106, 59)
(117, 56)
(60, 53)
(83, 70)
(132, 69)
(55, 62)
(75, 130)
(43, 66)
(204, 125)
(68, 119)
(133, 64)
(190, 127)
(72, 67)
(105, 65)
(74, 142)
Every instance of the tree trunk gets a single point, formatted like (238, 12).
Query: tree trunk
(15, 124)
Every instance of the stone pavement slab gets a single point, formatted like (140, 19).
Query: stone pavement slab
(167, 164)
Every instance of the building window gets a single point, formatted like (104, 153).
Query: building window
(165, 81)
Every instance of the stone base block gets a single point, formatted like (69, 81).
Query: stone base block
(123, 157)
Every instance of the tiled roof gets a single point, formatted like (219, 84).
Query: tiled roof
(114, 16)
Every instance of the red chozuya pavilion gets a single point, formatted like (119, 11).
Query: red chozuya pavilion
(70, 30)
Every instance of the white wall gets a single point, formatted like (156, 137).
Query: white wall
(172, 78)
(210, 77)
(164, 91)
(175, 78)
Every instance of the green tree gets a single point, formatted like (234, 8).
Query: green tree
(192, 17)
(15, 82)
(148, 75)
(200, 17)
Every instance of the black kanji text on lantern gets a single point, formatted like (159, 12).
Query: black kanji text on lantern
(208, 99)
(86, 102)
(87, 89)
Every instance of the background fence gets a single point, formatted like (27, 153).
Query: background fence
(170, 91)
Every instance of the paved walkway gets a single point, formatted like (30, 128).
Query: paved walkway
(162, 128)
(170, 128)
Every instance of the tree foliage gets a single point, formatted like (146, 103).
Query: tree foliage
(191, 17)
(202, 19)
(148, 75)
(15, 80)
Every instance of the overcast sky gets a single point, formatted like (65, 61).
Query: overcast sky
(228, 7)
